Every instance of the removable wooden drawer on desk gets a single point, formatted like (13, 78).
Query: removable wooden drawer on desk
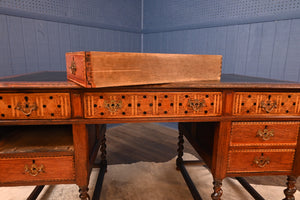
(35, 106)
(266, 103)
(152, 104)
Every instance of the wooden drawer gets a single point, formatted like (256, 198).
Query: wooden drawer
(103, 69)
(36, 169)
(35, 106)
(262, 103)
(126, 105)
(271, 160)
(264, 133)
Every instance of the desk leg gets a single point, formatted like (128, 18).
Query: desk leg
(291, 188)
(81, 151)
(179, 160)
(216, 195)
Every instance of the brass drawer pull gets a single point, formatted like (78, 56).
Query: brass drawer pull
(265, 134)
(196, 104)
(268, 106)
(261, 161)
(73, 67)
(34, 170)
(26, 109)
(113, 105)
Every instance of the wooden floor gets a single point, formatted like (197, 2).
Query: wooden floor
(152, 142)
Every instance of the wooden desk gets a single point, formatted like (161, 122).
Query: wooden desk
(240, 126)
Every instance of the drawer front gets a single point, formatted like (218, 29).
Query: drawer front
(36, 169)
(35, 106)
(260, 103)
(264, 133)
(127, 105)
(280, 160)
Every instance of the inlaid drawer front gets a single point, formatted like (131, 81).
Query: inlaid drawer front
(36, 169)
(117, 105)
(280, 160)
(35, 106)
(255, 103)
(264, 133)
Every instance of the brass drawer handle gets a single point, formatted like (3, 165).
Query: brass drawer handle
(261, 161)
(26, 108)
(113, 105)
(196, 104)
(268, 106)
(73, 67)
(265, 134)
(34, 170)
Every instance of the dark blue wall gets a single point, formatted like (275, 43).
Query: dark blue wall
(34, 35)
(256, 38)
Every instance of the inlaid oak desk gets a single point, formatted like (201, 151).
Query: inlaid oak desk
(240, 126)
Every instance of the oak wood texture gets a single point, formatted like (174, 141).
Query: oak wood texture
(103, 69)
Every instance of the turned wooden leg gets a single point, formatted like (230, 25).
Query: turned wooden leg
(83, 190)
(103, 151)
(179, 159)
(216, 195)
(291, 188)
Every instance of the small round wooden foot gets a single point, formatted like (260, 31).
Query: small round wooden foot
(291, 188)
(216, 195)
(84, 193)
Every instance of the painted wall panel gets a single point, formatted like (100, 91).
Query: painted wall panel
(16, 44)
(170, 15)
(112, 14)
(42, 45)
(229, 57)
(5, 53)
(30, 45)
(65, 43)
(242, 49)
(54, 47)
(280, 49)
(293, 55)
(254, 46)
(266, 49)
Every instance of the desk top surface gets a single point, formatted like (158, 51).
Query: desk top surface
(56, 79)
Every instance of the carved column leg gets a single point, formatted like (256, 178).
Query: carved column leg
(179, 159)
(216, 195)
(291, 188)
(83, 190)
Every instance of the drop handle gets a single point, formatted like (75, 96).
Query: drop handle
(26, 108)
(34, 170)
(261, 161)
(196, 104)
(268, 106)
(265, 134)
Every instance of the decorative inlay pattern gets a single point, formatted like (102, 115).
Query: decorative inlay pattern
(35, 106)
(152, 104)
(253, 103)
